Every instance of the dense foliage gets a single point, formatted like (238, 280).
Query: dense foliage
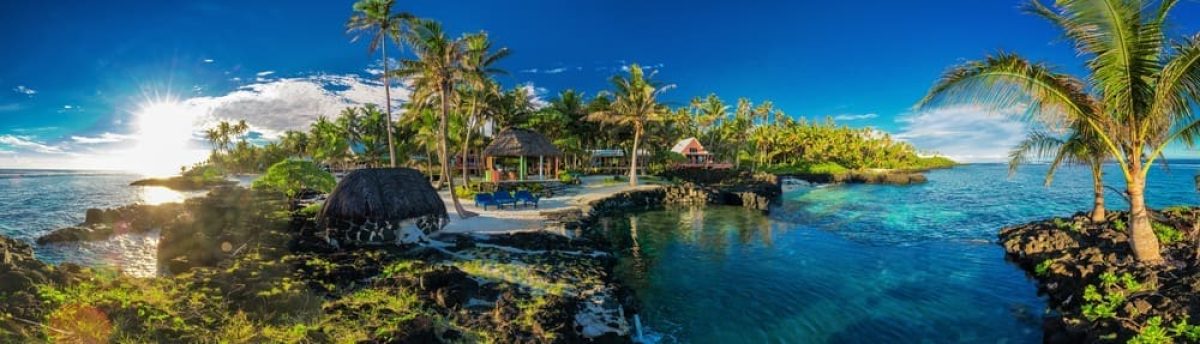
(292, 176)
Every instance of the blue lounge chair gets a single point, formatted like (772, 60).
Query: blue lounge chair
(485, 199)
(503, 197)
(527, 198)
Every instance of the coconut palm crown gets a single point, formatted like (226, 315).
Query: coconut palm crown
(375, 19)
(1144, 89)
(635, 105)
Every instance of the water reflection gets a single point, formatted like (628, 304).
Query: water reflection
(730, 275)
(155, 195)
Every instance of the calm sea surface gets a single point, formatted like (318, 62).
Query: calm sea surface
(858, 263)
(34, 202)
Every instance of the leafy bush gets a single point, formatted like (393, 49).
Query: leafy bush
(1061, 224)
(311, 210)
(568, 177)
(1182, 329)
(933, 162)
(1042, 268)
(292, 176)
(1103, 301)
(463, 191)
(824, 168)
(205, 172)
(1152, 333)
(1166, 234)
(1119, 225)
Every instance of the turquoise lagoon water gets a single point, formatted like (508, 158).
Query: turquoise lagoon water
(858, 263)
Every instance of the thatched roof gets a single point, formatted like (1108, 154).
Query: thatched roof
(382, 194)
(520, 142)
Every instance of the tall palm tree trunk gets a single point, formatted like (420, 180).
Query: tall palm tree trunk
(467, 144)
(387, 93)
(445, 153)
(637, 136)
(1141, 234)
(1098, 213)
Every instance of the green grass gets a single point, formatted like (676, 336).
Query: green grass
(518, 274)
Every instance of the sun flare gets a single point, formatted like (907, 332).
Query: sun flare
(164, 132)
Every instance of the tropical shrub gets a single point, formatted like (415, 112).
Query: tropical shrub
(311, 210)
(292, 176)
(1103, 301)
(1166, 234)
(463, 191)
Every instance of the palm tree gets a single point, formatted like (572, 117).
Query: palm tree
(1077, 148)
(636, 105)
(479, 63)
(295, 143)
(437, 69)
(1145, 90)
(372, 128)
(375, 18)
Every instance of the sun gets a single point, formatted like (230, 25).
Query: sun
(164, 131)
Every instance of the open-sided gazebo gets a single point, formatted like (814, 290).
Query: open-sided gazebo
(521, 144)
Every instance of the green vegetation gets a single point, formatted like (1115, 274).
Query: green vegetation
(1044, 267)
(311, 210)
(292, 176)
(464, 191)
(1166, 234)
(1103, 301)
(629, 117)
(1153, 332)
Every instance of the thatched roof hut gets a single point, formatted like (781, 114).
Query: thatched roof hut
(515, 142)
(381, 194)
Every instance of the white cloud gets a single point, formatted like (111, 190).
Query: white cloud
(208, 60)
(286, 104)
(263, 76)
(22, 89)
(967, 133)
(555, 70)
(537, 95)
(28, 143)
(853, 117)
(103, 138)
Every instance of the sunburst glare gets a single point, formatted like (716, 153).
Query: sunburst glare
(164, 132)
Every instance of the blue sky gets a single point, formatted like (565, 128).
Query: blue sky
(75, 75)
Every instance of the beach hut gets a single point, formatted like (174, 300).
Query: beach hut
(614, 160)
(379, 206)
(693, 151)
(521, 144)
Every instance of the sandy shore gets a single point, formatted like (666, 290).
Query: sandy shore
(527, 219)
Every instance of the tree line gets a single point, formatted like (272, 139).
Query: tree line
(454, 93)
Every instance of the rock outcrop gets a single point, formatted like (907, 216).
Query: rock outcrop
(20, 275)
(1098, 291)
(101, 224)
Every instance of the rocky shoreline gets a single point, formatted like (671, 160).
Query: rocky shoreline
(863, 177)
(1095, 289)
(249, 255)
(240, 259)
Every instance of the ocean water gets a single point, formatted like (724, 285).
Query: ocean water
(858, 263)
(34, 202)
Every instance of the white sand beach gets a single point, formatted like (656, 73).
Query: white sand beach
(525, 219)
